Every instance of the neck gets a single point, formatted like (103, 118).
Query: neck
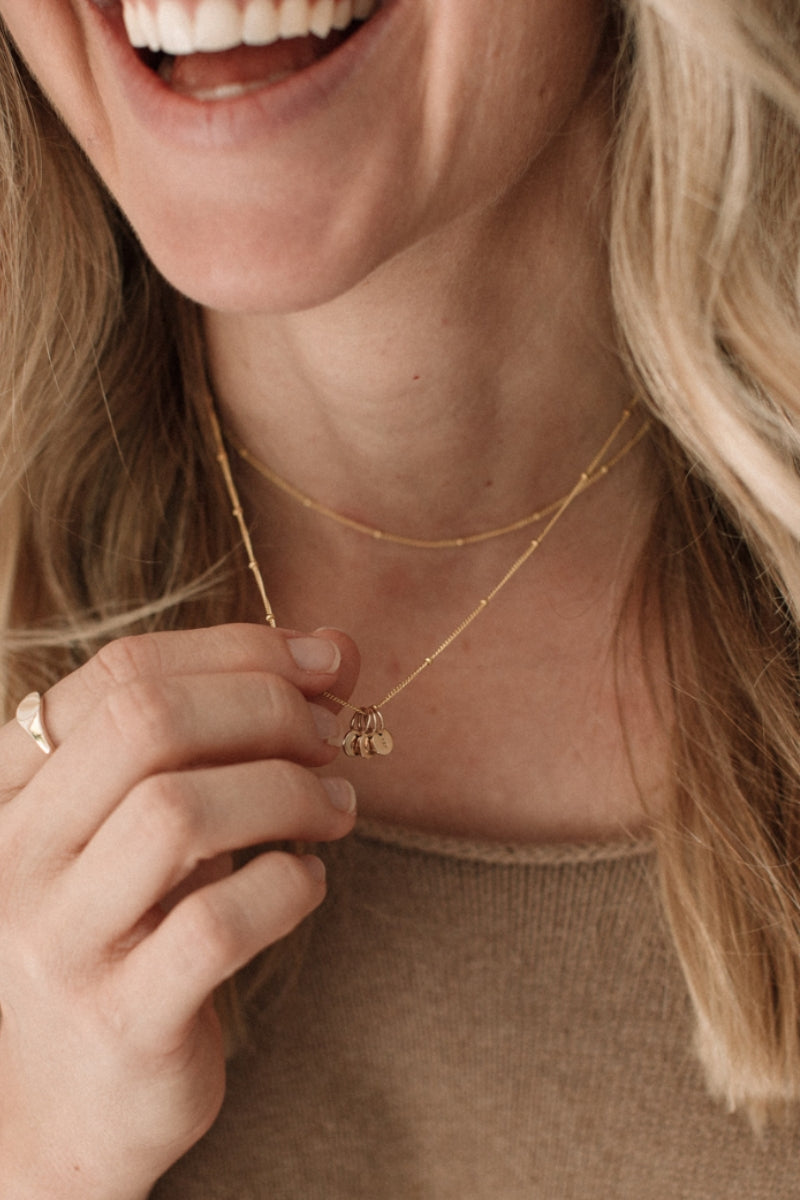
(466, 381)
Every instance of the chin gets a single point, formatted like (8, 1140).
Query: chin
(233, 245)
(258, 276)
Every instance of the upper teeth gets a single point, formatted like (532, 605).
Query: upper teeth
(222, 24)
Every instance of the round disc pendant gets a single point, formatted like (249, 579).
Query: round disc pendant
(382, 743)
(365, 746)
(350, 744)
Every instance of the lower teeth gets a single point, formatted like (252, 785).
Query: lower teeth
(227, 91)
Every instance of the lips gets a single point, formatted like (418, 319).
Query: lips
(238, 90)
(218, 49)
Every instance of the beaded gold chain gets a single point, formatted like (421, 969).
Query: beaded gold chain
(368, 736)
(401, 539)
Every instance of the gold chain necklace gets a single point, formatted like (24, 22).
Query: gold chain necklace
(368, 735)
(400, 539)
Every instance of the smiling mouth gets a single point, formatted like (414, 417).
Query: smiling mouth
(218, 50)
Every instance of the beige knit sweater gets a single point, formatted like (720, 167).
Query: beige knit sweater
(480, 1023)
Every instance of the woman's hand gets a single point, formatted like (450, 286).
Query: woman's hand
(119, 909)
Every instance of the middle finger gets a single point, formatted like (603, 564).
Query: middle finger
(158, 725)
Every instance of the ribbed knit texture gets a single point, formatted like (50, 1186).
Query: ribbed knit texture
(478, 1022)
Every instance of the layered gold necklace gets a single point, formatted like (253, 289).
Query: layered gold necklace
(368, 736)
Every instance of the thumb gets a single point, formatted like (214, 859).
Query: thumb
(349, 668)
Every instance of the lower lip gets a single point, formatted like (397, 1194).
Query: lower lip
(262, 113)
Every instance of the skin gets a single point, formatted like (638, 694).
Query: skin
(423, 337)
(445, 121)
(208, 739)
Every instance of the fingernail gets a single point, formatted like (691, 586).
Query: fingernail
(315, 867)
(326, 723)
(341, 794)
(314, 654)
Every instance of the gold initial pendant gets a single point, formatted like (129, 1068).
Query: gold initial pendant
(368, 735)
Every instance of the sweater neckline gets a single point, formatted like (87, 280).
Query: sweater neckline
(509, 853)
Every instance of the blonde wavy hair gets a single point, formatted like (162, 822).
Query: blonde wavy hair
(110, 521)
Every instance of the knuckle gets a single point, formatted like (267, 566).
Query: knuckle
(245, 642)
(126, 659)
(315, 817)
(295, 892)
(282, 705)
(167, 814)
(287, 778)
(143, 715)
(209, 930)
(40, 960)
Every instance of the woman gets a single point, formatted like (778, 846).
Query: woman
(448, 269)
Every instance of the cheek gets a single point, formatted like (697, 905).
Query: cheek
(57, 60)
(504, 81)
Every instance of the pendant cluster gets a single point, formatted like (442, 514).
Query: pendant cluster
(368, 735)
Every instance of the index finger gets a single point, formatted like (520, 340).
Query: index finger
(312, 662)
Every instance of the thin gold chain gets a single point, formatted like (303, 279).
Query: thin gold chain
(595, 470)
(238, 512)
(400, 539)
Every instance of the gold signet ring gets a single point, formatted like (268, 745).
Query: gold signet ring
(30, 718)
